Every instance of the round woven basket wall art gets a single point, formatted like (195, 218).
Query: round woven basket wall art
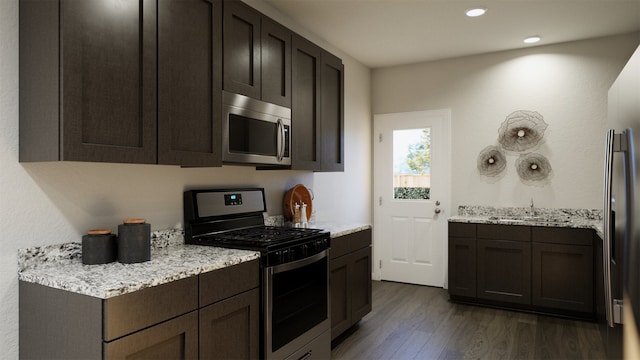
(491, 161)
(522, 130)
(533, 167)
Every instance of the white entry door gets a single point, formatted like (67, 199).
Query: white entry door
(411, 194)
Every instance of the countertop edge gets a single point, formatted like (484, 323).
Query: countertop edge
(584, 224)
(339, 229)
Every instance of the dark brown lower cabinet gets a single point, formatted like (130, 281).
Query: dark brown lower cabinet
(563, 269)
(504, 271)
(229, 329)
(543, 269)
(462, 260)
(350, 280)
(213, 315)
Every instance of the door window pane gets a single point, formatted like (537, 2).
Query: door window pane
(412, 164)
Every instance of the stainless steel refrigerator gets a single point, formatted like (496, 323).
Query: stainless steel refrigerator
(621, 245)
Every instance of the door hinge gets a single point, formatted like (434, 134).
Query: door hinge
(380, 264)
(380, 137)
(380, 201)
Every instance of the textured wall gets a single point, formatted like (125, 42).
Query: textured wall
(49, 203)
(566, 83)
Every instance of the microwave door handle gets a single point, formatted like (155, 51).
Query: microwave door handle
(607, 226)
(280, 140)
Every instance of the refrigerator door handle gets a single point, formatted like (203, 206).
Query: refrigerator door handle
(606, 245)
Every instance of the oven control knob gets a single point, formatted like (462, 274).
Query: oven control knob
(305, 250)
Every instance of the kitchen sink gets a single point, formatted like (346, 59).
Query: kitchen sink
(523, 219)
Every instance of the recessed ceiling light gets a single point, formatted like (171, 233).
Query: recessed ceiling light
(476, 12)
(532, 39)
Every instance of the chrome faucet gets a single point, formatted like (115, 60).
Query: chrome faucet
(531, 212)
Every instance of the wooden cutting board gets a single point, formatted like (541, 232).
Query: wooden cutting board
(297, 194)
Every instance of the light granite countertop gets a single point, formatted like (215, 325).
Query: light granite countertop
(339, 229)
(566, 218)
(60, 266)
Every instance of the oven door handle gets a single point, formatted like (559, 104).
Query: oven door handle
(299, 263)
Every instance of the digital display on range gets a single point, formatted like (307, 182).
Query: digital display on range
(232, 199)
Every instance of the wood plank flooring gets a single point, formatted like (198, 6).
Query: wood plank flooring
(419, 322)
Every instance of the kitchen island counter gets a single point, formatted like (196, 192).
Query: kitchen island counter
(60, 266)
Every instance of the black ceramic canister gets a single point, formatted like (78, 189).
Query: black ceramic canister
(134, 241)
(99, 247)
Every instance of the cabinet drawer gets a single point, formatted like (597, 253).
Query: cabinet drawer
(504, 232)
(174, 339)
(343, 245)
(127, 313)
(226, 282)
(566, 236)
(461, 230)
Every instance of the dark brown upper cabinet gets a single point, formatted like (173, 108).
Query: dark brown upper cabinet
(189, 85)
(257, 55)
(317, 109)
(332, 111)
(305, 110)
(127, 81)
(276, 63)
(88, 81)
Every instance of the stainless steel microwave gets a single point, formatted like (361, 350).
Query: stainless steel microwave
(254, 131)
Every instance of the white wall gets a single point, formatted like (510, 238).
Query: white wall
(50, 203)
(566, 83)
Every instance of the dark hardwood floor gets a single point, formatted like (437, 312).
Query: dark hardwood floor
(419, 322)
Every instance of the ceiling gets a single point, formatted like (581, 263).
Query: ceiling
(381, 33)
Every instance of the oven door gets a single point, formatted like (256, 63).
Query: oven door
(255, 132)
(296, 308)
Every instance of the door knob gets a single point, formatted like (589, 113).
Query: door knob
(437, 210)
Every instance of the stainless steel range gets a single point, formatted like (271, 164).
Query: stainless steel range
(294, 264)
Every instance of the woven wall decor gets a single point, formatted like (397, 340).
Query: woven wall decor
(522, 130)
(491, 161)
(533, 167)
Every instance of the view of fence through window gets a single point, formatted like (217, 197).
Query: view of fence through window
(412, 164)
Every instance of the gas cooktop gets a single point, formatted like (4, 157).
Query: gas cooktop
(233, 218)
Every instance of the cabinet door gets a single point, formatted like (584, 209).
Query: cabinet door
(332, 112)
(305, 105)
(229, 329)
(241, 49)
(108, 71)
(276, 63)
(189, 82)
(173, 339)
(361, 296)
(462, 266)
(340, 295)
(563, 277)
(504, 271)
